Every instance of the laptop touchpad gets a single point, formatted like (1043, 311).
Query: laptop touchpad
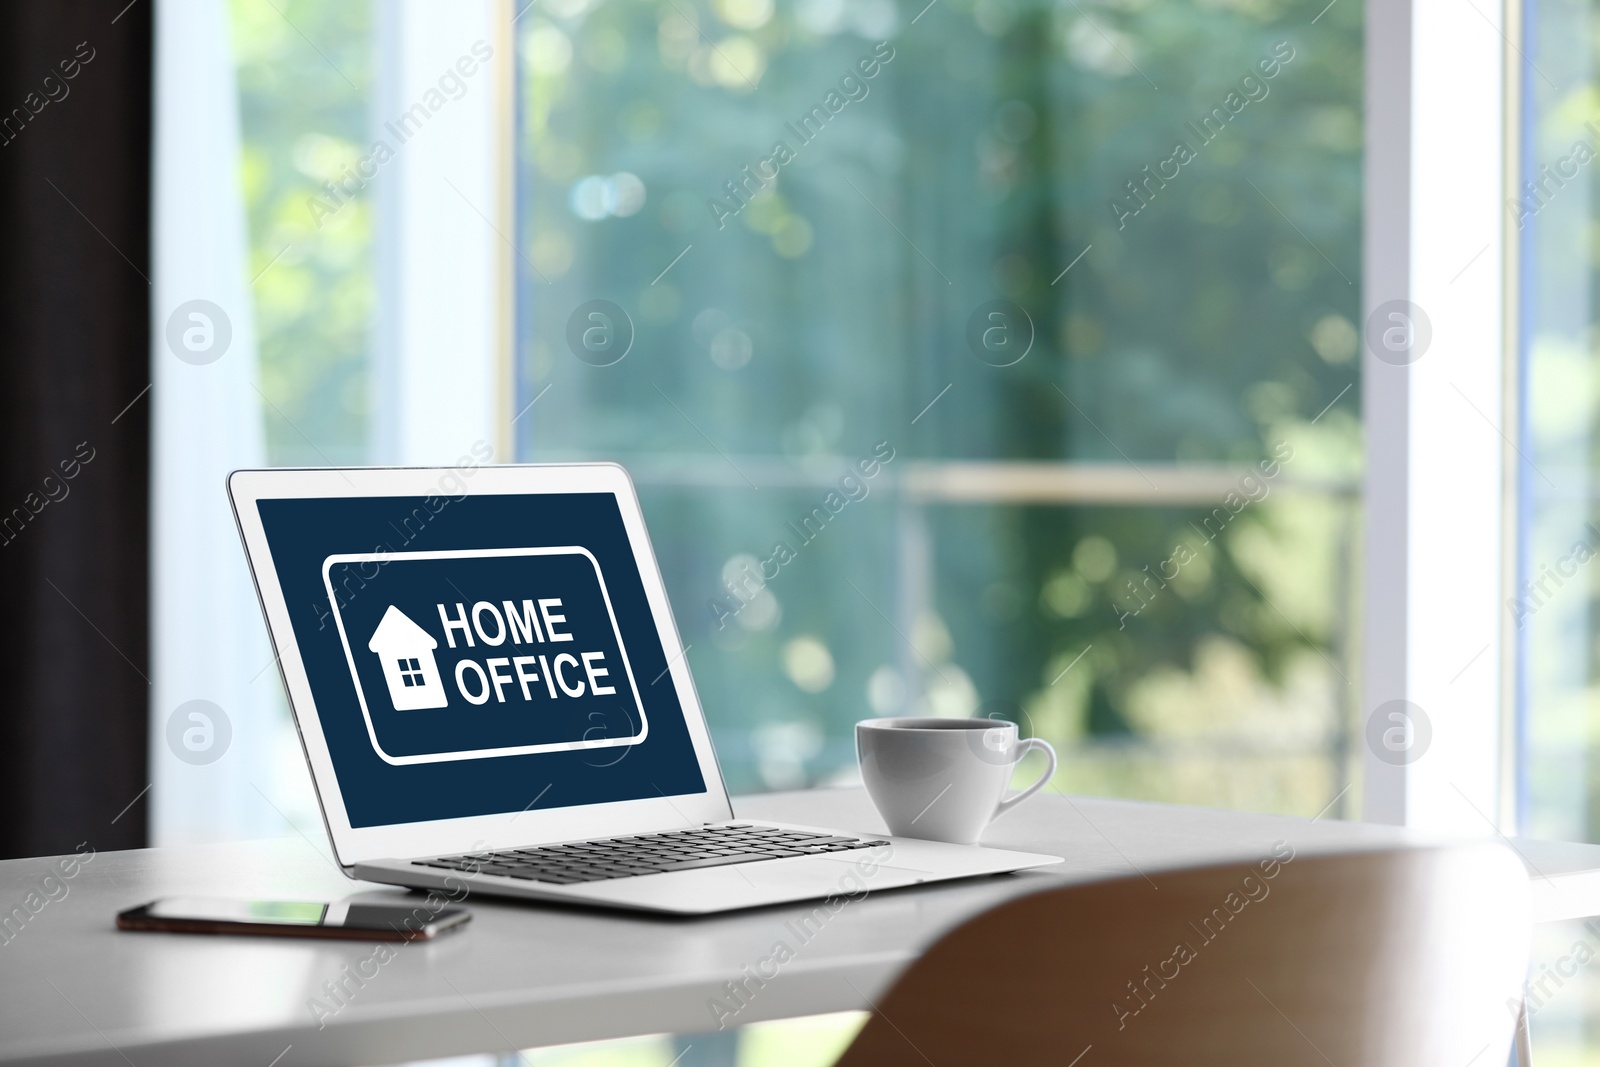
(825, 875)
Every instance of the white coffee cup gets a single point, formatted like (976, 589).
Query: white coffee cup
(943, 779)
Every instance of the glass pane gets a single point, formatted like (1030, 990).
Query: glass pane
(1110, 247)
(1553, 608)
(304, 72)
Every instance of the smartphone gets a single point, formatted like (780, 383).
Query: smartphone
(293, 918)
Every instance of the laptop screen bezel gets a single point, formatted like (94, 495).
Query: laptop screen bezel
(536, 826)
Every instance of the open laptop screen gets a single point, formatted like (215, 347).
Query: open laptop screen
(476, 656)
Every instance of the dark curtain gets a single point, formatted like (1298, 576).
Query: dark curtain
(75, 100)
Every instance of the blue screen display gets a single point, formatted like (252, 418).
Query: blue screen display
(480, 655)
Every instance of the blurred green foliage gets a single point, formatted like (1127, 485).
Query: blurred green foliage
(304, 69)
(1558, 599)
(822, 310)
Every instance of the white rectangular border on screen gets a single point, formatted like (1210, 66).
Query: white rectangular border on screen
(512, 829)
(386, 558)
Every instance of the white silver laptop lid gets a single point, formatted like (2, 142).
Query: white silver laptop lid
(556, 704)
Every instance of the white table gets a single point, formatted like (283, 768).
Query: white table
(521, 976)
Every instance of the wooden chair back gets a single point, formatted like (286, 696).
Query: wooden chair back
(1403, 958)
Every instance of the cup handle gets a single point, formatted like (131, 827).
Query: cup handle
(1022, 749)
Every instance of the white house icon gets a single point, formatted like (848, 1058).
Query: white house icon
(406, 652)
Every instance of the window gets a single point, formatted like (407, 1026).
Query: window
(1077, 284)
(305, 129)
(367, 162)
(1553, 605)
(1095, 341)
(1552, 609)
(411, 673)
(304, 73)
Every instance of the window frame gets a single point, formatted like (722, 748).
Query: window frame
(442, 348)
(1440, 534)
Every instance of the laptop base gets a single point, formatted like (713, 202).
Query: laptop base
(896, 862)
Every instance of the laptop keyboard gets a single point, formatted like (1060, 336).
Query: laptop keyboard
(625, 857)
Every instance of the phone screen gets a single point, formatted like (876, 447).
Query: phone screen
(295, 913)
(284, 912)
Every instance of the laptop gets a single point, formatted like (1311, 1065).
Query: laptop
(493, 697)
